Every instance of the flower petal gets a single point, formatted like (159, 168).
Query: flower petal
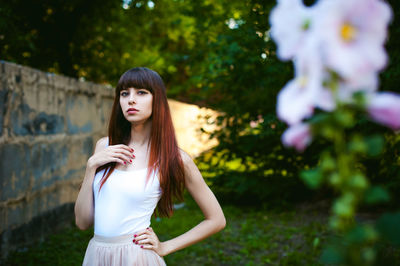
(297, 136)
(384, 108)
(289, 21)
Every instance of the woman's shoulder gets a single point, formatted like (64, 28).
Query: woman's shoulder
(191, 170)
(186, 158)
(101, 144)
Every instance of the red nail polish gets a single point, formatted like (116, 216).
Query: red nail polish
(130, 160)
(141, 246)
(135, 236)
(124, 162)
(133, 240)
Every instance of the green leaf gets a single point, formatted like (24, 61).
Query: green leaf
(334, 179)
(357, 144)
(344, 118)
(316, 242)
(376, 195)
(328, 163)
(313, 178)
(344, 206)
(328, 131)
(358, 181)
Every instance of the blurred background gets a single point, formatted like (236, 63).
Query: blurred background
(60, 61)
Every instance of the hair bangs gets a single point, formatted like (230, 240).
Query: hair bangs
(137, 78)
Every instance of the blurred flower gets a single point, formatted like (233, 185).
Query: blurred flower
(352, 33)
(367, 84)
(384, 108)
(297, 136)
(297, 100)
(255, 123)
(290, 21)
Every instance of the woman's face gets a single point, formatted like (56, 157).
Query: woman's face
(136, 104)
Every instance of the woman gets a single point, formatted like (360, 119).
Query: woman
(137, 168)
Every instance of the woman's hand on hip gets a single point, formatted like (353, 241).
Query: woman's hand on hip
(147, 239)
(115, 153)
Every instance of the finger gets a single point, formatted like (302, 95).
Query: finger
(144, 231)
(127, 155)
(139, 242)
(141, 237)
(147, 241)
(124, 152)
(122, 157)
(151, 232)
(147, 246)
(117, 160)
(123, 146)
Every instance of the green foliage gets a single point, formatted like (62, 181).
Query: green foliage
(51, 35)
(64, 248)
(234, 66)
(355, 248)
(360, 245)
(340, 167)
(255, 168)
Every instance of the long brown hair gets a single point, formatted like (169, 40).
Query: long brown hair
(164, 152)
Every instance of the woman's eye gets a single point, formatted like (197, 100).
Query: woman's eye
(124, 93)
(142, 92)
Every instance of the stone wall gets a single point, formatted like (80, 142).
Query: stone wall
(48, 127)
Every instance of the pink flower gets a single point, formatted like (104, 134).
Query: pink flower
(384, 108)
(290, 21)
(297, 136)
(295, 101)
(367, 84)
(352, 34)
(300, 96)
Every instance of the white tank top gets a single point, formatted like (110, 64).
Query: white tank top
(125, 202)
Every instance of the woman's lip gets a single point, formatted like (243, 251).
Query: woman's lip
(132, 111)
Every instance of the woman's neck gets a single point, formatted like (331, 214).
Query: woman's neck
(140, 134)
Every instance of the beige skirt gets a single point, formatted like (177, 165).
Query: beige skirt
(119, 251)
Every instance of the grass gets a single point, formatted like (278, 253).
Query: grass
(251, 237)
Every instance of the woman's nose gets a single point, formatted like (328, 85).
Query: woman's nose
(132, 98)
